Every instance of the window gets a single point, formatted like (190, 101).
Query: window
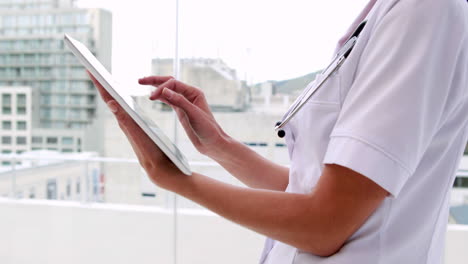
(67, 150)
(37, 140)
(6, 140)
(461, 182)
(21, 110)
(24, 20)
(9, 21)
(78, 72)
(29, 72)
(60, 113)
(67, 141)
(6, 99)
(29, 58)
(21, 99)
(66, 19)
(52, 140)
(45, 86)
(76, 125)
(61, 99)
(21, 125)
(6, 151)
(68, 189)
(21, 140)
(78, 186)
(90, 113)
(45, 99)
(45, 113)
(6, 110)
(61, 85)
(76, 99)
(6, 125)
(75, 113)
(44, 72)
(59, 124)
(51, 189)
(90, 99)
(32, 193)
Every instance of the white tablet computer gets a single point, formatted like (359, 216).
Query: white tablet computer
(147, 125)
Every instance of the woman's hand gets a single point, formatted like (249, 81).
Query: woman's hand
(208, 137)
(193, 112)
(159, 168)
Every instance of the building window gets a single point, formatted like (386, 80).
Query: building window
(21, 125)
(21, 140)
(61, 99)
(75, 114)
(6, 151)
(37, 140)
(461, 182)
(21, 110)
(32, 193)
(51, 189)
(6, 140)
(52, 140)
(78, 186)
(46, 113)
(67, 141)
(6, 99)
(6, 110)
(68, 189)
(67, 150)
(6, 125)
(21, 99)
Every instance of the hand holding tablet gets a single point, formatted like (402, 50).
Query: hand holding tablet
(146, 132)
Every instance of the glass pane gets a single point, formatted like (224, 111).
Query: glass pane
(6, 125)
(21, 125)
(67, 141)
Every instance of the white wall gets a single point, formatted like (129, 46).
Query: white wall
(456, 245)
(35, 231)
(69, 232)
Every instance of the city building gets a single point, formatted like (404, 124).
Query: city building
(15, 120)
(54, 176)
(223, 89)
(32, 53)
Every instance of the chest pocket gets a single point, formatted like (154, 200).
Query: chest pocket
(311, 129)
(330, 91)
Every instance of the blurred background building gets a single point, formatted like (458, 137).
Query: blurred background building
(32, 53)
(223, 89)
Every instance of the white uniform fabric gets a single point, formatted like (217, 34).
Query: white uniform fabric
(396, 112)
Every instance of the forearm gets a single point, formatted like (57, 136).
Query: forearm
(251, 168)
(295, 219)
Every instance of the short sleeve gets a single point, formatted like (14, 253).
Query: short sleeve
(399, 95)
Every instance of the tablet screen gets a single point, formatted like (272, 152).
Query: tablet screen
(126, 101)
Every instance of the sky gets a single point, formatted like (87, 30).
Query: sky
(261, 39)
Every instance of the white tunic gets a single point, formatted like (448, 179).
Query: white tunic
(396, 112)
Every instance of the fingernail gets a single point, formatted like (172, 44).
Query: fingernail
(167, 93)
(112, 106)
